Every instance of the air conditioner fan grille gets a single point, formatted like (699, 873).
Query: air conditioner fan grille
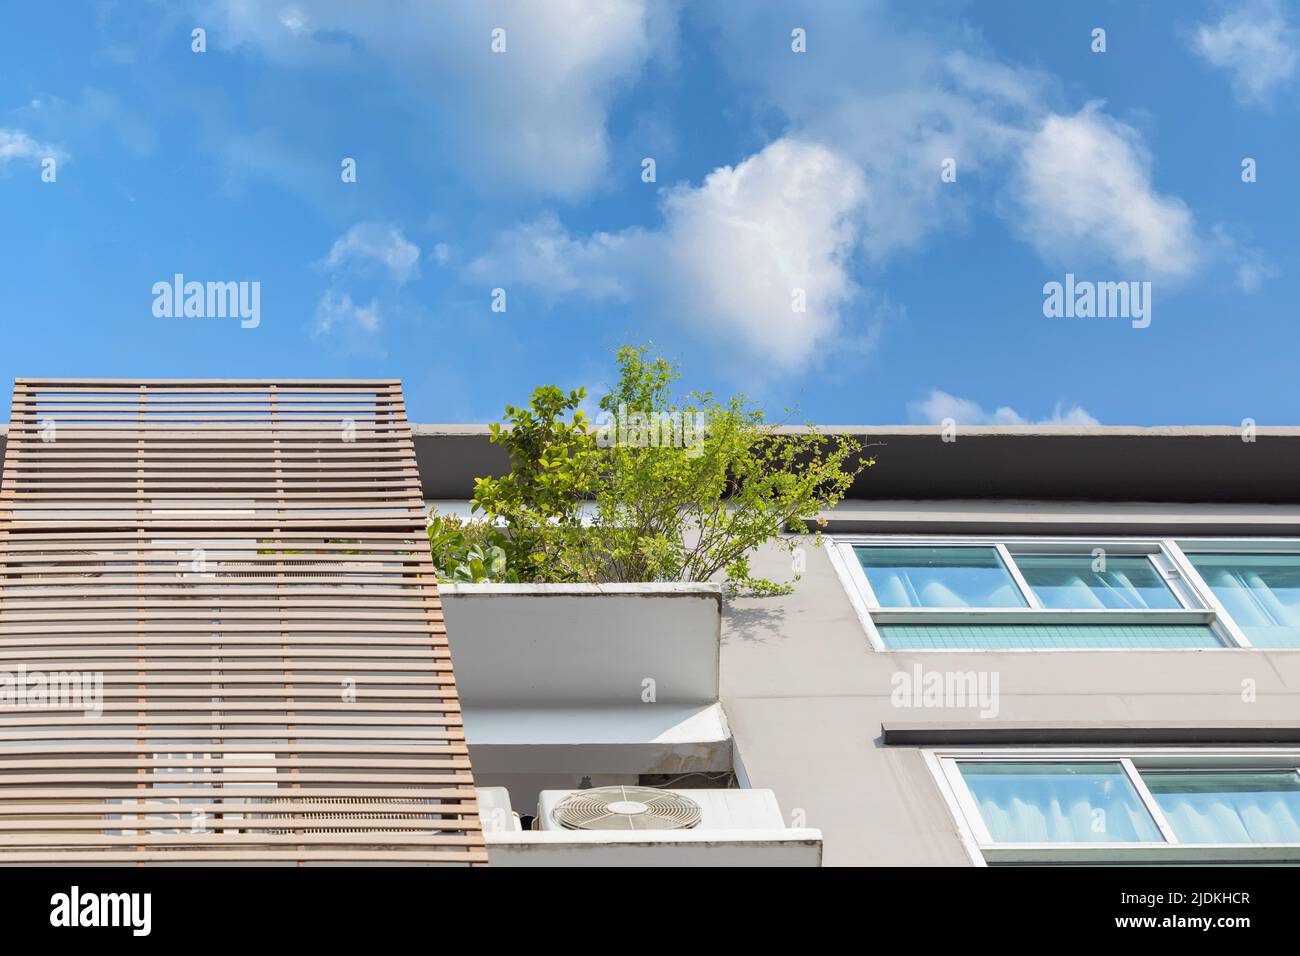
(626, 808)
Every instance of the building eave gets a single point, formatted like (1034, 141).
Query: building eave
(1202, 463)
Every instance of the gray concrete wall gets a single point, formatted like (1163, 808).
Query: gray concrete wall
(806, 695)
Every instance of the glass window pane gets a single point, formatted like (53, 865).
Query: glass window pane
(1260, 591)
(939, 577)
(1059, 803)
(1229, 806)
(1082, 581)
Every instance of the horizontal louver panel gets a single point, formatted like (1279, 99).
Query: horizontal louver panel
(221, 630)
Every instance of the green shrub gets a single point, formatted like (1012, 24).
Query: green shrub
(470, 552)
(660, 490)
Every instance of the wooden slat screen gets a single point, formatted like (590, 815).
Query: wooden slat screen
(245, 564)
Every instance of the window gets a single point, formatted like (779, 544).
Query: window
(1234, 807)
(1030, 594)
(1178, 806)
(1058, 803)
(939, 577)
(1260, 591)
(1082, 581)
(981, 593)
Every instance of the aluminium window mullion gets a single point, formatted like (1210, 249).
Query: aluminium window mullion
(1148, 800)
(1173, 578)
(1014, 571)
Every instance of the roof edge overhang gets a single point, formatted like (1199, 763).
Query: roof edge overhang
(1030, 462)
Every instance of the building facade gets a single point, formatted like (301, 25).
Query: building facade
(1024, 644)
(1008, 645)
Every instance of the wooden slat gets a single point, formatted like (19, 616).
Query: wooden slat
(241, 569)
(472, 855)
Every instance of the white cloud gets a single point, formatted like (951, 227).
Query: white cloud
(897, 98)
(293, 19)
(376, 243)
(730, 257)
(367, 248)
(939, 406)
(545, 256)
(730, 251)
(532, 117)
(1085, 192)
(751, 238)
(879, 102)
(337, 312)
(1252, 270)
(1250, 266)
(18, 146)
(1256, 44)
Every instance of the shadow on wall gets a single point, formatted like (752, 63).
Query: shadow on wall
(755, 620)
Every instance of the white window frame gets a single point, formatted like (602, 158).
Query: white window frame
(1169, 556)
(983, 850)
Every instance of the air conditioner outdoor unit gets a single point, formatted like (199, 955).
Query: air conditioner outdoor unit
(648, 808)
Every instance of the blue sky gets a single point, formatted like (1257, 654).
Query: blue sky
(779, 176)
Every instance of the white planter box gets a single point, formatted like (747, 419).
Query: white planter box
(598, 680)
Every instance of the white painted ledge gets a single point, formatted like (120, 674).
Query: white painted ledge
(637, 738)
(788, 847)
(646, 588)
